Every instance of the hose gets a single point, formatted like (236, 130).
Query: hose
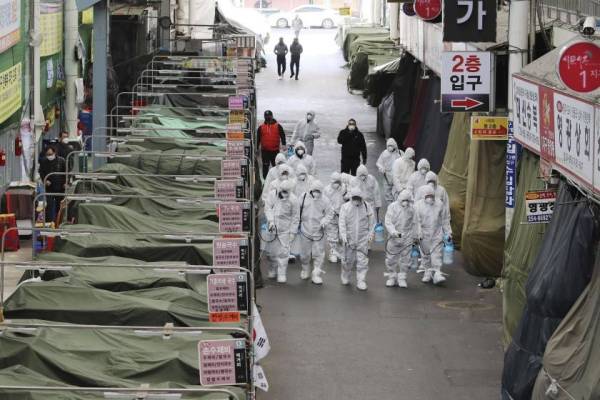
(310, 238)
(395, 254)
(268, 241)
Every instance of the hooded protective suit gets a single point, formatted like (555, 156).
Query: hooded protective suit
(431, 179)
(274, 172)
(402, 169)
(417, 178)
(315, 216)
(284, 173)
(385, 163)
(400, 223)
(433, 223)
(357, 222)
(306, 131)
(282, 217)
(300, 157)
(303, 181)
(337, 194)
(367, 184)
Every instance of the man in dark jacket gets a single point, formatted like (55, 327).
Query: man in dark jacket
(353, 148)
(281, 51)
(271, 138)
(64, 148)
(53, 183)
(295, 50)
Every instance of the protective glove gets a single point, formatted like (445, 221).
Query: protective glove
(398, 235)
(371, 237)
(323, 225)
(344, 240)
(381, 170)
(271, 226)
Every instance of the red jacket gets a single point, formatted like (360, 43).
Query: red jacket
(271, 136)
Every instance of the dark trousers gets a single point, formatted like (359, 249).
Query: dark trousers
(295, 62)
(268, 160)
(350, 166)
(281, 65)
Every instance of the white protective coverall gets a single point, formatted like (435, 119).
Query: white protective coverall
(400, 223)
(357, 222)
(315, 216)
(402, 169)
(274, 172)
(417, 178)
(385, 163)
(337, 194)
(303, 181)
(367, 184)
(300, 157)
(433, 223)
(307, 130)
(431, 179)
(284, 173)
(282, 217)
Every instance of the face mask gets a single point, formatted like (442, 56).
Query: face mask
(302, 177)
(363, 177)
(284, 195)
(65, 140)
(554, 180)
(51, 157)
(429, 200)
(391, 149)
(300, 152)
(404, 203)
(309, 117)
(316, 195)
(335, 185)
(424, 171)
(351, 127)
(284, 177)
(432, 184)
(356, 202)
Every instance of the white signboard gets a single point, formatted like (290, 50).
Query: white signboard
(466, 81)
(574, 136)
(10, 23)
(539, 206)
(526, 114)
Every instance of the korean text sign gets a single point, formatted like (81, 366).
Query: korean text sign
(223, 362)
(539, 206)
(466, 81)
(469, 21)
(526, 113)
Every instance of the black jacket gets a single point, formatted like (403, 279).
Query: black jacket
(57, 182)
(353, 145)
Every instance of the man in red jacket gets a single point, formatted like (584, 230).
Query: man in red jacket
(270, 138)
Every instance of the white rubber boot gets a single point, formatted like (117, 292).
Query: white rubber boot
(402, 280)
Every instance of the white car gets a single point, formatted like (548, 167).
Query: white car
(310, 15)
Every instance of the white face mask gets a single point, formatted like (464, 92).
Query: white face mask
(429, 200)
(316, 195)
(284, 195)
(65, 140)
(309, 117)
(363, 177)
(391, 149)
(404, 203)
(424, 171)
(356, 202)
(335, 185)
(300, 152)
(302, 177)
(432, 184)
(51, 157)
(351, 127)
(284, 177)
(554, 180)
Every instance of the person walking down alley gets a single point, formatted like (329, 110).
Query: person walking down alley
(54, 183)
(281, 51)
(297, 26)
(307, 130)
(271, 138)
(295, 50)
(354, 148)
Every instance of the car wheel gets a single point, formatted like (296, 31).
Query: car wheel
(282, 23)
(327, 23)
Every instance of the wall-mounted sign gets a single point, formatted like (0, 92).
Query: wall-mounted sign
(469, 21)
(428, 9)
(489, 128)
(539, 206)
(578, 66)
(526, 112)
(408, 9)
(466, 81)
(10, 23)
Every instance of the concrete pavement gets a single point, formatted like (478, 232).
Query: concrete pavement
(333, 342)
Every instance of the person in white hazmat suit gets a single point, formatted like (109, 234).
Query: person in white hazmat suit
(306, 131)
(368, 185)
(385, 163)
(357, 223)
(433, 223)
(400, 223)
(402, 169)
(282, 218)
(273, 173)
(303, 181)
(431, 179)
(417, 178)
(300, 157)
(315, 216)
(337, 194)
(284, 173)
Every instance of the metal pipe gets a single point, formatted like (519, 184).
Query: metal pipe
(71, 65)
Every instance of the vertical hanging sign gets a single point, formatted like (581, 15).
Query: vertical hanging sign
(10, 23)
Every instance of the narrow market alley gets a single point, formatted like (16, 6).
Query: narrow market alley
(334, 342)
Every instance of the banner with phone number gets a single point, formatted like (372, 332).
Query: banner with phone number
(10, 91)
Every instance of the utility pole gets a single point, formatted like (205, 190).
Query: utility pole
(518, 50)
(71, 65)
(394, 21)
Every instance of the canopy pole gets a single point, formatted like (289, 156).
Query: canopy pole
(100, 71)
